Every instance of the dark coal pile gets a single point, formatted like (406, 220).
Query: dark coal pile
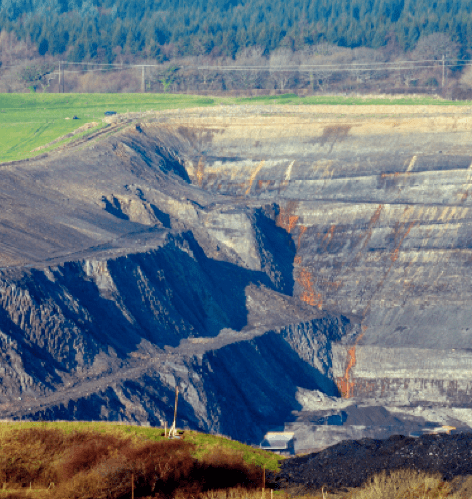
(351, 463)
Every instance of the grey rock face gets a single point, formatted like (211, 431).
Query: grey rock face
(294, 268)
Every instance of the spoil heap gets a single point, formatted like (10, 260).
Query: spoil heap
(351, 463)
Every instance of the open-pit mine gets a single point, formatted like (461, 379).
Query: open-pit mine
(306, 268)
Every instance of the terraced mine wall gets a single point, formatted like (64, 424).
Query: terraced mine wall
(377, 203)
(280, 265)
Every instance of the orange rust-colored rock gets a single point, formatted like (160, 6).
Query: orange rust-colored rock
(329, 235)
(346, 383)
(376, 215)
(285, 218)
(308, 295)
(254, 175)
(302, 231)
(396, 251)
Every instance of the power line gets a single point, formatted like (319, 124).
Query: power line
(355, 66)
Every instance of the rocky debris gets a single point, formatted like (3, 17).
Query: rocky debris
(351, 463)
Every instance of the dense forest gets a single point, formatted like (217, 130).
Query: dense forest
(102, 30)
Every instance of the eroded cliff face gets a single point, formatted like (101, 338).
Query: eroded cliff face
(271, 262)
(377, 203)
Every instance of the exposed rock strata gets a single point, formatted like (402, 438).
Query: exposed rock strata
(257, 261)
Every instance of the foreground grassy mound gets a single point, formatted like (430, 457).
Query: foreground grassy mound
(66, 460)
(32, 121)
(90, 460)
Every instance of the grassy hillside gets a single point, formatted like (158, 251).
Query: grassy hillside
(29, 121)
(203, 442)
(82, 460)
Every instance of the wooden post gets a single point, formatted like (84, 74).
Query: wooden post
(63, 78)
(173, 429)
(165, 429)
(143, 88)
(59, 87)
(132, 485)
(175, 406)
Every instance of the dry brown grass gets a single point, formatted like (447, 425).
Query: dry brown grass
(405, 484)
(400, 484)
(91, 465)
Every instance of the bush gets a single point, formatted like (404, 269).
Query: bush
(103, 469)
(220, 470)
(84, 453)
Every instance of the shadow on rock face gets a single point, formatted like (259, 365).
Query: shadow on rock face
(253, 385)
(276, 248)
(163, 296)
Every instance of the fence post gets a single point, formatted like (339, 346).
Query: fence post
(132, 485)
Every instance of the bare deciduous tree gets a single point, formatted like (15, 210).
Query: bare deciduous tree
(434, 47)
(281, 63)
(37, 75)
(251, 57)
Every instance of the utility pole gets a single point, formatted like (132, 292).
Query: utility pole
(173, 430)
(143, 87)
(61, 77)
(443, 71)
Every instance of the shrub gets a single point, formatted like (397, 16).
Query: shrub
(221, 469)
(84, 454)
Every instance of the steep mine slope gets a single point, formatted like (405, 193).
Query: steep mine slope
(120, 280)
(377, 202)
(265, 260)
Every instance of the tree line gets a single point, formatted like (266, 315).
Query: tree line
(162, 30)
(321, 68)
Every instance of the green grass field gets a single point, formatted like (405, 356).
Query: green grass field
(28, 121)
